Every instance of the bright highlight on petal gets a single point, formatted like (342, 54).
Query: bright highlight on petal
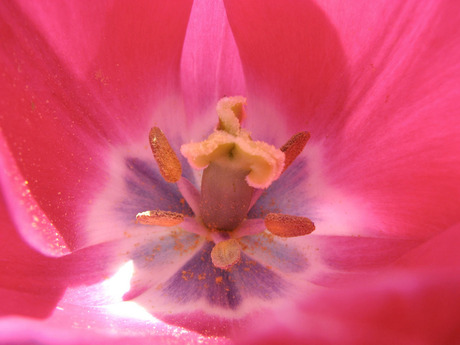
(119, 284)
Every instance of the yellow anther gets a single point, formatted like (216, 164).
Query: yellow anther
(160, 218)
(284, 225)
(166, 158)
(294, 147)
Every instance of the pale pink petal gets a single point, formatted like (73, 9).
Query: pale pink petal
(210, 67)
(190, 194)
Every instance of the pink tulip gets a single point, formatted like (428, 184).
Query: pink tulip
(375, 83)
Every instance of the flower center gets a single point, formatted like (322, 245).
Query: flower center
(225, 196)
(236, 171)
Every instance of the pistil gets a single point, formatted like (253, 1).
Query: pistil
(225, 196)
(236, 171)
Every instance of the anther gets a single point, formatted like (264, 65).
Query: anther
(284, 225)
(160, 218)
(166, 158)
(294, 147)
(225, 254)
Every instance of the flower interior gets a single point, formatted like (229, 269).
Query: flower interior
(236, 171)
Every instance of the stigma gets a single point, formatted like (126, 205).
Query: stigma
(236, 170)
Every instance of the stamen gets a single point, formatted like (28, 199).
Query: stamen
(166, 158)
(226, 253)
(161, 218)
(294, 147)
(284, 225)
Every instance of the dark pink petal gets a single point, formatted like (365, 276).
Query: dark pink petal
(24, 285)
(31, 223)
(77, 77)
(438, 253)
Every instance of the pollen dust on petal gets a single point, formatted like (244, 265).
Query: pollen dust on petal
(187, 275)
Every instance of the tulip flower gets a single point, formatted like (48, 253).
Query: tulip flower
(260, 170)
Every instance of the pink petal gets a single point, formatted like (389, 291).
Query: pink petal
(438, 253)
(292, 59)
(414, 302)
(114, 50)
(377, 87)
(23, 331)
(396, 141)
(401, 309)
(211, 67)
(30, 221)
(80, 76)
(24, 287)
